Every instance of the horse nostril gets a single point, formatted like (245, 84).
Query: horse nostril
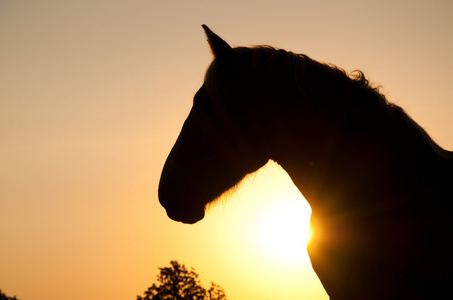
(165, 195)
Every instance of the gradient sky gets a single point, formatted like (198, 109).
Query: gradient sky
(93, 95)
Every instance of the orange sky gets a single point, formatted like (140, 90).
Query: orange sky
(93, 95)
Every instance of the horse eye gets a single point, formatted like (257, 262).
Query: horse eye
(202, 101)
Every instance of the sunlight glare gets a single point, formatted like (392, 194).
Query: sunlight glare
(261, 232)
(282, 230)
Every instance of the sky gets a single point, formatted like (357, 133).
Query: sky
(93, 95)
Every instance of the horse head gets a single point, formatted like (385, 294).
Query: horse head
(216, 147)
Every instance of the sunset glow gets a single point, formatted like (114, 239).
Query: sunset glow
(281, 229)
(263, 226)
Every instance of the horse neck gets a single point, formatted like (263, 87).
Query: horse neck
(338, 163)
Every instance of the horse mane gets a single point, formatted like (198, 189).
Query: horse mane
(288, 64)
(264, 60)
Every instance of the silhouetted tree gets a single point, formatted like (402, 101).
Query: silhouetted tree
(216, 292)
(4, 297)
(178, 283)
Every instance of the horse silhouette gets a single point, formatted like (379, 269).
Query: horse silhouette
(379, 187)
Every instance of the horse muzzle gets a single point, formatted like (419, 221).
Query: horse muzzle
(186, 216)
(179, 207)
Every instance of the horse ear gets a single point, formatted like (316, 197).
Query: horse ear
(219, 47)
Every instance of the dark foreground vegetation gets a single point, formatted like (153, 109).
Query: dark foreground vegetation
(179, 283)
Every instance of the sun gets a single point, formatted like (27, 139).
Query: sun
(267, 223)
(261, 233)
(282, 229)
